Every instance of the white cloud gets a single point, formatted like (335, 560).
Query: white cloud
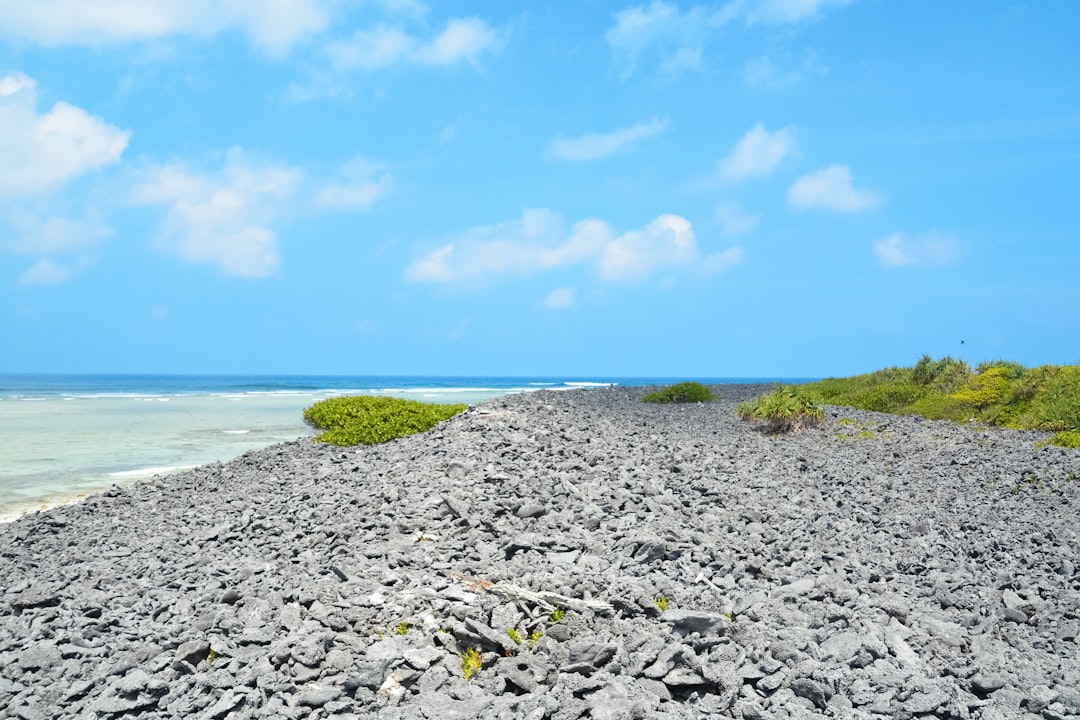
(660, 29)
(780, 68)
(723, 261)
(831, 189)
(898, 250)
(598, 145)
(223, 218)
(758, 153)
(778, 12)
(561, 299)
(47, 272)
(361, 183)
(677, 39)
(734, 221)
(272, 25)
(462, 40)
(540, 242)
(41, 151)
(57, 235)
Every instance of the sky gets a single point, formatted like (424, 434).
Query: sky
(743, 188)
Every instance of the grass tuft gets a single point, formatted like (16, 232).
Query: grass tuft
(785, 409)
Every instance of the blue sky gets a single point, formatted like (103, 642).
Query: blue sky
(791, 188)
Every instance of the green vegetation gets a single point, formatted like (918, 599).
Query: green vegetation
(557, 615)
(402, 628)
(999, 392)
(662, 602)
(514, 635)
(785, 409)
(471, 662)
(687, 392)
(367, 420)
(534, 637)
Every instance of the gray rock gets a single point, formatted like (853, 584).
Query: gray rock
(696, 621)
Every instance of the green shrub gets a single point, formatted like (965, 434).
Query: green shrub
(785, 409)
(888, 398)
(687, 392)
(1056, 403)
(1013, 370)
(984, 389)
(944, 375)
(367, 420)
(1066, 439)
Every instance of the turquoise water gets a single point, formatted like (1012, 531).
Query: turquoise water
(65, 436)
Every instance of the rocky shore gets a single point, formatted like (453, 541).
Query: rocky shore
(606, 558)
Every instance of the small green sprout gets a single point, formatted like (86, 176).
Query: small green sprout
(471, 662)
(534, 637)
(662, 602)
(557, 615)
(211, 657)
(402, 627)
(514, 635)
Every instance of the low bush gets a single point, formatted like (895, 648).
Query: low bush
(1066, 439)
(367, 420)
(785, 409)
(999, 392)
(687, 392)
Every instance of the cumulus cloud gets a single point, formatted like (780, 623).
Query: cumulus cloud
(360, 184)
(831, 189)
(41, 151)
(272, 25)
(223, 218)
(561, 298)
(462, 40)
(758, 153)
(540, 242)
(598, 145)
(898, 250)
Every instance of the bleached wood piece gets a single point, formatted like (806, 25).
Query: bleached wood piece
(547, 599)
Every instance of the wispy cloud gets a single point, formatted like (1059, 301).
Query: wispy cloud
(462, 40)
(539, 242)
(273, 27)
(41, 151)
(779, 68)
(758, 153)
(661, 30)
(734, 221)
(778, 12)
(223, 218)
(48, 272)
(359, 185)
(676, 40)
(898, 250)
(561, 299)
(831, 189)
(598, 145)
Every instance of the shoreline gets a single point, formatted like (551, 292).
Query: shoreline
(856, 568)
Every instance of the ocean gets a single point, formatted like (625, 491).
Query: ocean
(63, 437)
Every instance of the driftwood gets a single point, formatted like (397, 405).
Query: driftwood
(544, 598)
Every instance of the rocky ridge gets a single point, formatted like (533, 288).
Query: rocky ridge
(877, 567)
